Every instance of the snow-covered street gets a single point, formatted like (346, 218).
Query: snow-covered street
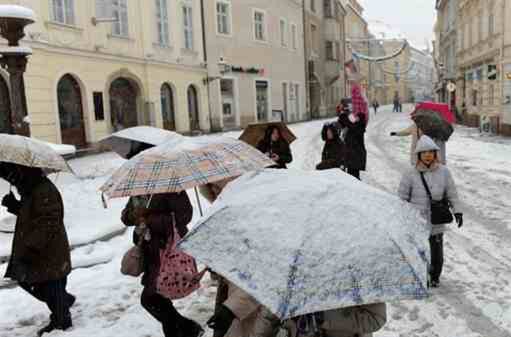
(473, 301)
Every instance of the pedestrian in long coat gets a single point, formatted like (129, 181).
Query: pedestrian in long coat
(354, 128)
(333, 151)
(40, 261)
(441, 184)
(276, 147)
(358, 321)
(159, 214)
(416, 133)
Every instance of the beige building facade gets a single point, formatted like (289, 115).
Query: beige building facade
(256, 64)
(325, 40)
(484, 64)
(89, 76)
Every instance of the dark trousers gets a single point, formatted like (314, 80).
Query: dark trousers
(436, 244)
(163, 311)
(58, 300)
(354, 172)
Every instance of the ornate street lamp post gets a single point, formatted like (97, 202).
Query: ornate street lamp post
(14, 58)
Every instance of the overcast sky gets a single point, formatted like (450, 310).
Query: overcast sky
(414, 18)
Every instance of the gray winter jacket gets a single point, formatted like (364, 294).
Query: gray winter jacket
(439, 180)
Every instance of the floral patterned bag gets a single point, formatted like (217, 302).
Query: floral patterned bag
(178, 276)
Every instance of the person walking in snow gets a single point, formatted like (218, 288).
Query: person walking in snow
(428, 182)
(416, 133)
(376, 105)
(333, 151)
(276, 147)
(154, 219)
(354, 127)
(40, 260)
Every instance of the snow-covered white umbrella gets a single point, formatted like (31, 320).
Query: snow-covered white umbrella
(122, 141)
(32, 153)
(303, 242)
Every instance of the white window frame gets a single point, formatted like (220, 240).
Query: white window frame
(123, 20)
(66, 9)
(283, 33)
(162, 22)
(264, 24)
(229, 17)
(294, 36)
(188, 27)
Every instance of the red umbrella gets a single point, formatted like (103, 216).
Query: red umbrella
(441, 108)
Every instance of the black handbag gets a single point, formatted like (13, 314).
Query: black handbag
(440, 209)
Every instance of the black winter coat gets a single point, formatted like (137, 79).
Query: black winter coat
(280, 148)
(332, 156)
(40, 250)
(159, 222)
(356, 154)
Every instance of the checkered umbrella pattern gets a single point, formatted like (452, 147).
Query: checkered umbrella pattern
(182, 164)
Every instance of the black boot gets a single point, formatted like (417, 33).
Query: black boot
(191, 329)
(54, 326)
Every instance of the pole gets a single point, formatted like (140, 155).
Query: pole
(15, 65)
(198, 201)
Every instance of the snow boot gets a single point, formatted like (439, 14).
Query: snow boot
(52, 326)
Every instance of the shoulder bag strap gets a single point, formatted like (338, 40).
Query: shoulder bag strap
(428, 191)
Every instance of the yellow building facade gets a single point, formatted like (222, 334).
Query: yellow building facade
(90, 75)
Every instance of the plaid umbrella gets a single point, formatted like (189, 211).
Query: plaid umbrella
(255, 132)
(32, 153)
(184, 163)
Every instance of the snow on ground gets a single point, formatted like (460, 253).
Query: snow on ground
(474, 300)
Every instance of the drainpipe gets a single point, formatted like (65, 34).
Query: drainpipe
(306, 57)
(502, 46)
(205, 52)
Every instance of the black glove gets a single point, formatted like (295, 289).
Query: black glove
(459, 219)
(221, 321)
(392, 134)
(11, 203)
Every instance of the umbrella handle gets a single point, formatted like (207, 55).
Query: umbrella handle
(198, 201)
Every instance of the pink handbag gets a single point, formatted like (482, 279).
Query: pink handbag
(178, 276)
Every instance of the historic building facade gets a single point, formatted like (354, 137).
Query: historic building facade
(90, 75)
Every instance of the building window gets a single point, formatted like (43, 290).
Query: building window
(262, 100)
(223, 17)
(491, 95)
(63, 11)
(491, 24)
(314, 38)
(294, 37)
(327, 8)
(167, 107)
(313, 6)
(162, 20)
(283, 33)
(120, 13)
(188, 27)
(99, 109)
(193, 108)
(259, 26)
(331, 52)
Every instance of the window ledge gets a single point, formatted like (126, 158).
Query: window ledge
(63, 26)
(189, 52)
(165, 47)
(121, 38)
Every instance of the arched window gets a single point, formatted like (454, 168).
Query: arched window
(69, 98)
(167, 107)
(193, 108)
(123, 103)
